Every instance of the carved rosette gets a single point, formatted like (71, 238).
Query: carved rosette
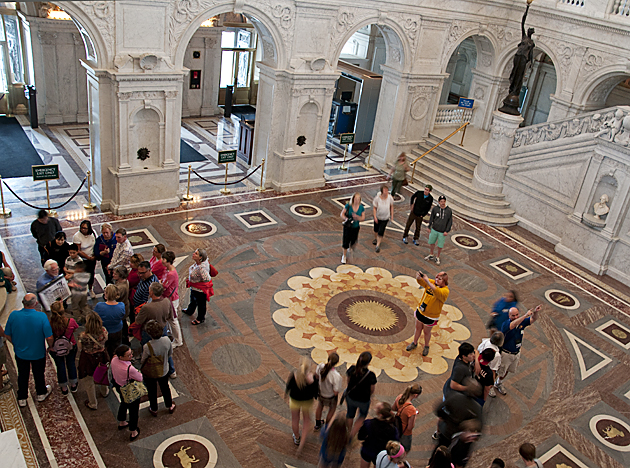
(421, 98)
(411, 25)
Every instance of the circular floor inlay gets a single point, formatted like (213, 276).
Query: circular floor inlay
(185, 450)
(306, 211)
(611, 431)
(198, 228)
(562, 299)
(236, 359)
(466, 242)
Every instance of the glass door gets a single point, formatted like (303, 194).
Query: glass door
(237, 57)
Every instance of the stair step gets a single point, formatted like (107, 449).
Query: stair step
(453, 147)
(439, 154)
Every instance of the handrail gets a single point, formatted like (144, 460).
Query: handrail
(413, 163)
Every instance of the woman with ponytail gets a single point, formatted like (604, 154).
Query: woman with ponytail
(376, 432)
(406, 411)
(302, 387)
(361, 386)
(330, 384)
(63, 330)
(393, 456)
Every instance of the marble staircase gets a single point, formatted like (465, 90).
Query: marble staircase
(449, 169)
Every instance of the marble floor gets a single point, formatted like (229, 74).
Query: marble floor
(282, 294)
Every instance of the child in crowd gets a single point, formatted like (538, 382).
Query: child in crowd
(72, 260)
(485, 376)
(78, 287)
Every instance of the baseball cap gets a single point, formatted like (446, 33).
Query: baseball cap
(442, 197)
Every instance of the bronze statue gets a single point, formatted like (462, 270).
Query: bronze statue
(524, 55)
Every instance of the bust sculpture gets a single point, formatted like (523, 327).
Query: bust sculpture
(522, 58)
(601, 208)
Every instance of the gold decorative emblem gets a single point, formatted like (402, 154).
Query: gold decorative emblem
(255, 218)
(184, 459)
(619, 334)
(372, 315)
(511, 268)
(302, 309)
(467, 241)
(562, 299)
(612, 432)
(133, 239)
(197, 228)
(562, 465)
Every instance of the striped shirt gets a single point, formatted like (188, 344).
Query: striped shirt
(142, 290)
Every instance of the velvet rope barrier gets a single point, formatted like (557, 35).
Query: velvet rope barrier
(228, 183)
(46, 208)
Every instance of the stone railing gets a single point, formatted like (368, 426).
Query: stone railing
(612, 124)
(575, 3)
(450, 115)
(621, 8)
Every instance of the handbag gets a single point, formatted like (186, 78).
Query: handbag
(100, 374)
(153, 367)
(132, 390)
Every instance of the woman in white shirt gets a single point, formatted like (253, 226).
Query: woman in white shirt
(383, 207)
(85, 240)
(330, 384)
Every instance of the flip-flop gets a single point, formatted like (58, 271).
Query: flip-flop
(196, 322)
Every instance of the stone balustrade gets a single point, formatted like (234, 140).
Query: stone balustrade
(450, 115)
(621, 8)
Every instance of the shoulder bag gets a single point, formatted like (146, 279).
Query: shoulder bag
(133, 390)
(347, 391)
(153, 367)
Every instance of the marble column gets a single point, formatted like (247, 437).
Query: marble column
(129, 111)
(490, 171)
(293, 104)
(203, 101)
(485, 89)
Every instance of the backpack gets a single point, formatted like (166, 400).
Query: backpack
(153, 367)
(62, 345)
(398, 423)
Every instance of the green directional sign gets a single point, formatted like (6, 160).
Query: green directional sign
(346, 138)
(48, 172)
(227, 156)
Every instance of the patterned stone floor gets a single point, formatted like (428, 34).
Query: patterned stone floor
(281, 294)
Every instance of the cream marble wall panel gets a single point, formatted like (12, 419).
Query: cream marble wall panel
(143, 27)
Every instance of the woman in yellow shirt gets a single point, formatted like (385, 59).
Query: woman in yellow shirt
(429, 308)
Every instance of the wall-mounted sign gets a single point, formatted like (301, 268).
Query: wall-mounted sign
(466, 103)
(195, 79)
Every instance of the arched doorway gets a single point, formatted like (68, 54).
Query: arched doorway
(460, 72)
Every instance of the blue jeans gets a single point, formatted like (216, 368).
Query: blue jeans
(67, 368)
(146, 338)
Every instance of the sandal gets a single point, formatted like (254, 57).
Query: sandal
(87, 405)
(153, 413)
(132, 437)
(197, 322)
(120, 428)
(172, 408)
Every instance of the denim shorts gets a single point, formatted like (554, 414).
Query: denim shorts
(353, 406)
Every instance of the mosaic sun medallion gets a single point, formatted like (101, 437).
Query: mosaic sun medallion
(562, 299)
(615, 332)
(350, 311)
(306, 211)
(466, 242)
(185, 450)
(198, 228)
(611, 431)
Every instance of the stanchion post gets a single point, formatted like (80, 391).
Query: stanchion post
(188, 197)
(262, 175)
(368, 165)
(50, 212)
(343, 166)
(225, 190)
(461, 143)
(6, 213)
(89, 205)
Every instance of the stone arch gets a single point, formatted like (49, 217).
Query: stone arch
(595, 90)
(269, 30)
(142, 106)
(148, 125)
(486, 45)
(308, 120)
(85, 21)
(396, 42)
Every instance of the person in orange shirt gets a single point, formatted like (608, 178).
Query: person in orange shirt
(429, 308)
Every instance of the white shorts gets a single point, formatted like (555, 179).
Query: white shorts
(509, 363)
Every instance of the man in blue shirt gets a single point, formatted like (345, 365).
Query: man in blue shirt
(511, 349)
(29, 331)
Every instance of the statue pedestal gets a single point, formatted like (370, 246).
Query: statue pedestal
(490, 170)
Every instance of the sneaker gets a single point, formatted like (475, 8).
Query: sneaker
(500, 388)
(425, 351)
(296, 440)
(41, 398)
(405, 240)
(374, 242)
(74, 388)
(64, 391)
(437, 260)
(492, 393)
(22, 403)
(318, 425)
(92, 295)
(343, 259)
(435, 435)
(377, 249)
(411, 346)
(416, 243)
(429, 257)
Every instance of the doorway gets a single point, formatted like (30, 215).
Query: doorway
(238, 56)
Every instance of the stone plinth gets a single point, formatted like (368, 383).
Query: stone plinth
(490, 170)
